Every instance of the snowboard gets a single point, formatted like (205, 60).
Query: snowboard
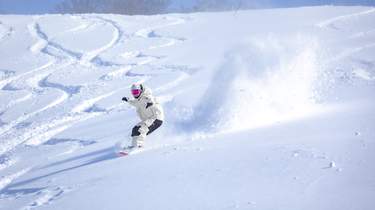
(122, 150)
(127, 151)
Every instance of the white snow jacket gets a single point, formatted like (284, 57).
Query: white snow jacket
(148, 108)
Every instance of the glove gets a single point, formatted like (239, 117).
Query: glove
(125, 99)
(148, 105)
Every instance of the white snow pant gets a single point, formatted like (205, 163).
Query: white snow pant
(141, 130)
(139, 134)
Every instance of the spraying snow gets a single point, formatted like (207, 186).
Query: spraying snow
(261, 82)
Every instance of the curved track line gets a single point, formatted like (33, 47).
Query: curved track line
(41, 132)
(38, 134)
(47, 130)
(362, 34)
(117, 73)
(117, 35)
(83, 26)
(16, 101)
(146, 33)
(330, 22)
(174, 83)
(347, 53)
(46, 196)
(79, 113)
(86, 104)
(150, 32)
(86, 58)
(11, 79)
(6, 180)
(42, 39)
(131, 54)
(7, 127)
(44, 43)
(39, 81)
(169, 43)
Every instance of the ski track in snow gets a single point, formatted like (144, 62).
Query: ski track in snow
(40, 80)
(150, 33)
(11, 79)
(349, 52)
(85, 25)
(331, 22)
(44, 44)
(117, 35)
(146, 33)
(41, 38)
(45, 197)
(36, 81)
(86, 104)
(6, 180)
(42, 133)
(362, 34)
(38, 134)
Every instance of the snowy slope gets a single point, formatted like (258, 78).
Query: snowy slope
(266, 109)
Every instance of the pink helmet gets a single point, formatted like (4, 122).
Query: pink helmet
(136, 90)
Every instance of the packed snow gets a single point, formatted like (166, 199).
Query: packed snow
(265, 109)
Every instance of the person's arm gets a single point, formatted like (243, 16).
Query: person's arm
(130, 101)
(148, 102)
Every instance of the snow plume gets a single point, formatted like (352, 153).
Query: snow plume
(262, 82)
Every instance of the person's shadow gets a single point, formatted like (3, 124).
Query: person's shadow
(93, 158)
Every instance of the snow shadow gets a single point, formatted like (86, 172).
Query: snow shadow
(84, 160)
(7, 192)
(55, 141)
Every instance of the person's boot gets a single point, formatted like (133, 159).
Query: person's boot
(138, 141)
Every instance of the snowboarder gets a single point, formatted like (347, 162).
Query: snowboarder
(149, 111)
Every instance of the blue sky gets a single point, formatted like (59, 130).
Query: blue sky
(47, 6)
(27, 6)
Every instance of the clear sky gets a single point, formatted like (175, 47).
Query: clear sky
(27, 6)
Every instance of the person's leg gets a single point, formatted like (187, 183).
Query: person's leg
(155, 125)
(139, 133)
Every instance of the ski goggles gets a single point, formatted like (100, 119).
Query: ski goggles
(136, 92)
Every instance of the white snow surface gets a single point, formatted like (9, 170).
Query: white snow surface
(266, 109)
